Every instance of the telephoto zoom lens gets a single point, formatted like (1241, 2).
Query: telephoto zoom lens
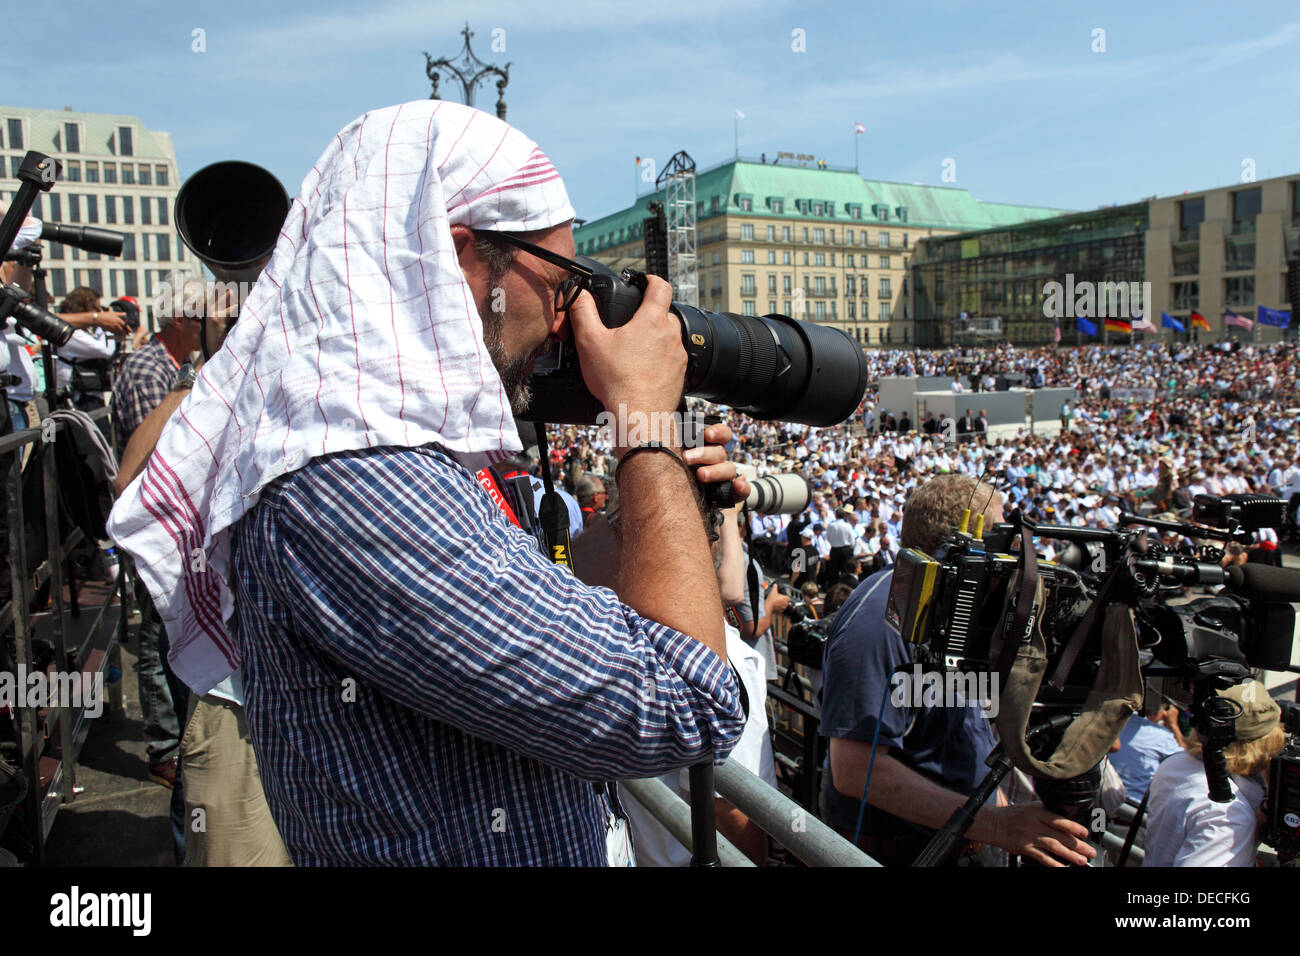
(772, 367)
(35, 319)
(784, 494)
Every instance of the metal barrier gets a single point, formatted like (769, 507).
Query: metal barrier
(50, 737)
(789, 824)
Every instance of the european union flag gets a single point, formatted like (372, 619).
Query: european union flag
(1274, 317)
(1084, 325)
(1167, 321)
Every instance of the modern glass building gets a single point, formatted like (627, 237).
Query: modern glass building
(989, 285)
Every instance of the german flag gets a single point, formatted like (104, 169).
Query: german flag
(1119, 325)
(1198, 320)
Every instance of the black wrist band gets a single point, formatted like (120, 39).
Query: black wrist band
(650, 446)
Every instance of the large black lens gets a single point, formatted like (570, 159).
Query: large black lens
(39, 322)
(773, 367)
(230, 215)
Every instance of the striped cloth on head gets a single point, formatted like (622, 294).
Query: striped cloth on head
(362, 332)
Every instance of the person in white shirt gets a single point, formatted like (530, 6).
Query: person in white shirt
(1186, 827)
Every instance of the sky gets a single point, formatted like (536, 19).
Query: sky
(1058, 104)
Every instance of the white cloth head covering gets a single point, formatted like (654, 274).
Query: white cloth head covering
(362, 332)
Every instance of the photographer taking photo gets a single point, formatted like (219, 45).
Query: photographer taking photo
(422, 686)
(928, 759)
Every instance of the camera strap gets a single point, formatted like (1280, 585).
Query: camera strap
(1116, 693)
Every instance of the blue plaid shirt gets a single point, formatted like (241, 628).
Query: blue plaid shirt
(424, 687)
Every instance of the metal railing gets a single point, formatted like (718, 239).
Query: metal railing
(50, 737)
(789, 824)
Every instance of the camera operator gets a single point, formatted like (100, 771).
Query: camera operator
(1186, 827)
(83, 366)
(422, 685)
(927, 759)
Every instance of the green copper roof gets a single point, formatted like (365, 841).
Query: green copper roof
(718, 191)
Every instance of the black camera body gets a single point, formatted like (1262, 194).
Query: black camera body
(806, 640)
(770, 367)
(1282, 805)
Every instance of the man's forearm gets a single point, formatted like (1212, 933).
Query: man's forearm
(144, 438)
(901, 791)
(666, 572)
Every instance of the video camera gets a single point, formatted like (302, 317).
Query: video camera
(1282, 805)
(967, 610)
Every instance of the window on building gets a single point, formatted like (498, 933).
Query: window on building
(146, 211)
(58, 282)
(128, 245)
(785, 233)
(746, 204)
(819, 310)
(747, 284)
(74, 208)
(819, 236)
(55, 251)
(146, 176)
(164, 247)
(771, 306)
(1191, 213)
(884, 240)
(1240, 291)
(785, 258)
(1295, 203)
(771, 233)
(162, 212)
(851, 310)
(805, 258)
(785, 310)
(832, 258)
(884, 287)
(1245, 207)
(747, 231)
(15, 164)
(160, 176)
(884, 312)
(717, 258)
(128, 174)
(110, 172)
(778, 206)
(884, 262)
(92, 172)
(92, 209)
(805, 233)
(15, 130)
(131, 285)
(771, 257)
(55, 206)
(818, 209)
(786, 284)
(819, 258)
(71, 137)
(849, 261)
(771, 283)
(125, 141)
(747, 257)
(72, 171)
(128, 210)
(866, 309)
(1187, 295)
(749, 307)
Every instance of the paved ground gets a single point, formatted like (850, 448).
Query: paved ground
(118, 818)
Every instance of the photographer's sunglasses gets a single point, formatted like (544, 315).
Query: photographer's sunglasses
(566, 293)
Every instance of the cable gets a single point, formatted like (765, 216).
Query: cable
(871, 764)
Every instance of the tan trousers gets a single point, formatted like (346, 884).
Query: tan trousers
(228, 822)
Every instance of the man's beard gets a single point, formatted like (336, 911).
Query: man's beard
(513, 370)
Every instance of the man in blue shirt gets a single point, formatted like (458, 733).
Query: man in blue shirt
(1146, 740)
(928, 759)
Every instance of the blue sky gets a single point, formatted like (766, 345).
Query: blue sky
(1013, 93)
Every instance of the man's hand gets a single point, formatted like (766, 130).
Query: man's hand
(640, 367)
(711, 457)
(113, 321)
(1032, 831)
(775, 602)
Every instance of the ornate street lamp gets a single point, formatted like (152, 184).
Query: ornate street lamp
(470, 71)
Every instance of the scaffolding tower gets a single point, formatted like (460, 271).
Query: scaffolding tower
(678, 183)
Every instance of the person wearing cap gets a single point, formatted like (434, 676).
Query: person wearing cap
(1185, 827)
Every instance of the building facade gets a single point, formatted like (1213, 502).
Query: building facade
(117, 175)
(823, 244)
(1203, 252)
